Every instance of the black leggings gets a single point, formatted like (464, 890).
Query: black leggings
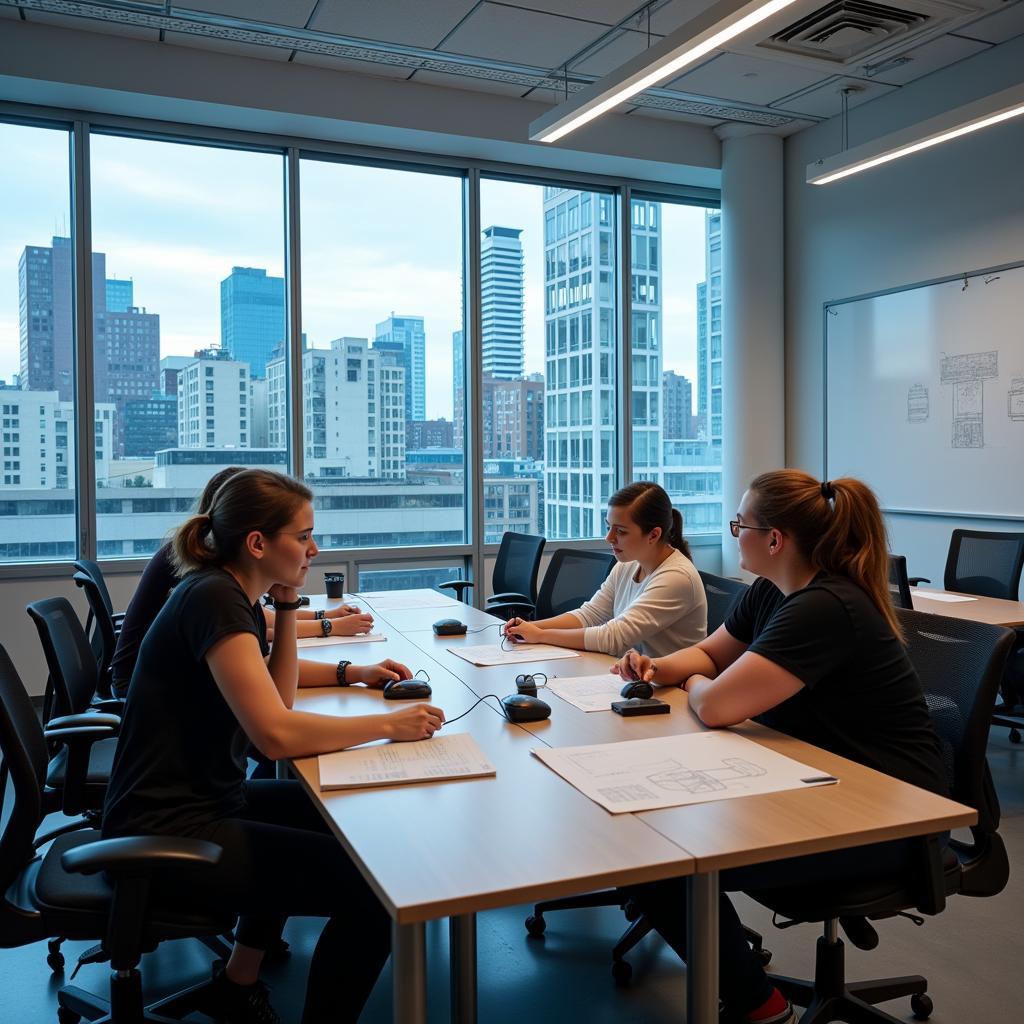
(280, 861)
(742, 982)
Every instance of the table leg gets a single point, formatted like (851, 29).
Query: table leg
(462, 957)
(702, 948)
(409, 969)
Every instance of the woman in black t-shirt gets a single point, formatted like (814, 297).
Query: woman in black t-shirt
(201, 691)
(813, 649)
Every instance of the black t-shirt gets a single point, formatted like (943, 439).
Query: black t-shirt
(158, 580)
(180, 759)
(861, 697)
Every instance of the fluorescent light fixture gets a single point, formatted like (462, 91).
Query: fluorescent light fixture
(971, 117)
(700, 36)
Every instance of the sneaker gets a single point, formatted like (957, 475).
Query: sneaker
(228, 1003)
(785, 1016)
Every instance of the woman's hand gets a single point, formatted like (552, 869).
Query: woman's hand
(634, 665)
(523, 632)
(418, 722)
(350, 625)
(286, 595)
(379, 675)
(339, 611)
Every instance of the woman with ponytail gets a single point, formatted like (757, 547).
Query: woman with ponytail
(813, 649)
(653, 599)
(203, 688)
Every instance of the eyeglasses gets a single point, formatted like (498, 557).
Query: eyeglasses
(735, 526)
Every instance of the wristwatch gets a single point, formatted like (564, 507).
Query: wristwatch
(342, 665)
(319, 614)
(326, 627)
(285, 606)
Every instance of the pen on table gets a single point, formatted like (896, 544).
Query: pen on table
(821, 778)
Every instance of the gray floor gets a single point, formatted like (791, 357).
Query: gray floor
(970, 954)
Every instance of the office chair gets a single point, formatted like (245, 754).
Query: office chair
(514, 578)
(83, 887)
(899, 584)
(722, 593)
(959, 663)
(573, 576)
(104, 637)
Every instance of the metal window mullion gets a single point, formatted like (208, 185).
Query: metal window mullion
(293, 310)
(83, 386)
(624, 410)
(472, 362)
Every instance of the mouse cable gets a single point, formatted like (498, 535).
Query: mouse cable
(487, 696)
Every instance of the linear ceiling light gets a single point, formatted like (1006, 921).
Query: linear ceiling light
(963, 120)
(665, 59)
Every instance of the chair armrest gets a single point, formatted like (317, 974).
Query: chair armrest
(506, 609)
(109, 706)
(87, 718)
(118, 617)
(459, 586)
(137, 854)
(509, 598)
(917, 580)
(931, 875)
(78, 740)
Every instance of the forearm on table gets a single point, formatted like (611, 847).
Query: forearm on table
(317, 673)
(676, 668)
(304, 734)
(572, 638)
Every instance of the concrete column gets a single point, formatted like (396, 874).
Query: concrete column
(753, 374)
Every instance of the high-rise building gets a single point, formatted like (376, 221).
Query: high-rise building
(428, 434)
(645, 328)
(258, 424)
(150, 424)
(513, 418)
(126, 364)
(213, 401)
(501, 302)
(703, 352)
(120, 295)
(405, 339)
(170, 367)
(709, 335)
(458, 391)
(252, 317)
(677, 406)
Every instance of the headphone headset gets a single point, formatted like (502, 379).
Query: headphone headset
(528, 683)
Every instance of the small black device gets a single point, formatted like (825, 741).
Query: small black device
(521, 707)
(303, 599)
(637, 688)
(407, 689)
(528, 682)
(449, 627)
(640, 706)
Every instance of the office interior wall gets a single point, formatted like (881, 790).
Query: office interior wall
(955, 208)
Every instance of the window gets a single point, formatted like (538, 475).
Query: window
(37, 498)
(382, 259)
(193, 283)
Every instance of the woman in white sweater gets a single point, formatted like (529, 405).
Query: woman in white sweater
(653, 600)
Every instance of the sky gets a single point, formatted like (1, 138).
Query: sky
(176, 218)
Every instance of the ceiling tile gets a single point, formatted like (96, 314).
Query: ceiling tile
(826, 101)
(107, 28)
(673, 115)
(997, 28)
(411, 22)
(9, 12)
(195, 42)
(524, 37)
(734, 76)
(668, 18)
(608, 12)
(616, 51)
(359, 67)
(469, 83)
(939, 53)
(294, 13)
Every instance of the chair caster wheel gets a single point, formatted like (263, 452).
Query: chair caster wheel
(55, 961)
(66, 1016)
(921, 1006)
(764, 956)
(631, 910)
(536, 925)
(1015, 735)
(621, 972)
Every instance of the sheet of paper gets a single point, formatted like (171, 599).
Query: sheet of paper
(395, 601)
(588, 693)
(937, 595)
(521, 654)
(456, 756)
(330, 641)
(643, 775)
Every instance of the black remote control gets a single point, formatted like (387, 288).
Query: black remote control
(640, 706)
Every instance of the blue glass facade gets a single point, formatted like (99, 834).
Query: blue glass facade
(252, 320)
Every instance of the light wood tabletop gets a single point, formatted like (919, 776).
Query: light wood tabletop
(993, 610)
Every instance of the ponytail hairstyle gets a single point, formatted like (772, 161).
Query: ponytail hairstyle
(650, 507)
(247, 500)
(837, 525)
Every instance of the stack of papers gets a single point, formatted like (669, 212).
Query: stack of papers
(329, 641)
(588, 693)
(938, 595)
(394, 601)
(492, 654)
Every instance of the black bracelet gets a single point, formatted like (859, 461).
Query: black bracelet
(342, 665)
(285, 606)
(319, 614)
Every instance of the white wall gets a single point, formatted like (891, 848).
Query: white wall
(955, 208)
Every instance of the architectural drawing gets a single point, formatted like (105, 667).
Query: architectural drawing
(1015, 400)
(967, 374)
(707, 780)
(917, 404)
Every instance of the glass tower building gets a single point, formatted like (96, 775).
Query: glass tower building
(252, 318)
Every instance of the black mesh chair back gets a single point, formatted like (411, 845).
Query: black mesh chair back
(69, 659)
(722, 594)
(103, 640)
(92, 570)
(899, 583)
(572, 577)
(984, 563)
(517, 565)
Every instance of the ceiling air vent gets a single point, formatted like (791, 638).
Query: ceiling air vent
(845, 29)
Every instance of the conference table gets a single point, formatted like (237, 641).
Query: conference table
(454, 849)
(993, 610)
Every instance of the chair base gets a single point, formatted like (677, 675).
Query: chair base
(125, 1005)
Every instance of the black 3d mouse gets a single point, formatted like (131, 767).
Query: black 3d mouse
(449, 627)
(520, 707)
(637, 688)
(407, 689)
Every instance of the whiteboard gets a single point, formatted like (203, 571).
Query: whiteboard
(924, 396)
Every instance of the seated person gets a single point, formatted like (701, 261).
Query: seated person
(158, 579)
(814, 650)
(653, 599)
(201, 691)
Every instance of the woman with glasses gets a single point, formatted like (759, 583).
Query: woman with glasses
(812, 649)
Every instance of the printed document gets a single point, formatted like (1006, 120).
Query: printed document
(399, 600)
(588, 693)
(938, 595)
(669, 771)
(330, 641)
(521, 654)
(456, 756)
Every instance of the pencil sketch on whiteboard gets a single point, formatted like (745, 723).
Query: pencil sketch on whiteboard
(967, 373)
